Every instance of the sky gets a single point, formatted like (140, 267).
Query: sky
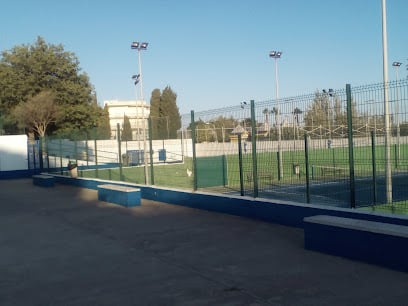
(215, 53)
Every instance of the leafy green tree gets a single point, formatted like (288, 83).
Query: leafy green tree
(321, 118)
(27, 70)
(317, 114)
(164, 114)
(204, 133)
(102, 125)
(155, 102)
(127, 129)
(223, 127)
(34, 118)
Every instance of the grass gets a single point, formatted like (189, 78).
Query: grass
(175, 175)
(169, 175)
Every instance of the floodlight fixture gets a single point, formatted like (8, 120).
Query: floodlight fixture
(275, 54)
(330, 92)
(139, 46)
(396, 64)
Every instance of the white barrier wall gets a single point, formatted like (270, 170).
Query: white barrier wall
(108, 149)
(13, 152)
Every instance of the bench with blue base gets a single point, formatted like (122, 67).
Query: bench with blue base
(43, 180)
(372, 242)
(122, 195)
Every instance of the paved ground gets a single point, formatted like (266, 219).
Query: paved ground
(61, 246)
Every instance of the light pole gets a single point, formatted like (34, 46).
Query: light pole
(388, 177)
(330, 94)
(397, 65)
(276, 55)
(139, 78)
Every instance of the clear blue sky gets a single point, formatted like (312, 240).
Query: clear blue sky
(214, 53)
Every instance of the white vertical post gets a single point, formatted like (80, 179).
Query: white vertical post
(388, 177)
(140, 75)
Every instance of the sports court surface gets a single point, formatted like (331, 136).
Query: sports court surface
(61, 246)
(337, 192)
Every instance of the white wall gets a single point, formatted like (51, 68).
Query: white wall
(108, 149)
(13, 152)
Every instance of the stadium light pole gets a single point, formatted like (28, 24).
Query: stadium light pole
(277, 55)
(397, 65)
(388, 177)
(330, 94)
(139, 78)
(139, 46)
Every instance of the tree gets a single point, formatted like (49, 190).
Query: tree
(155, 102)
(27, 70)
(127, 129)
(275, 112)
(296, 114)
(266, 117)
(102, 125)
(164, 114)
(324, 118)
(317, 114)
(38, 112)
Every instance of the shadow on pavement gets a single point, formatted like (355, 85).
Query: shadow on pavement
(61, 246)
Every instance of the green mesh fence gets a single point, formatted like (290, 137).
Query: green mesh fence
(272, 162)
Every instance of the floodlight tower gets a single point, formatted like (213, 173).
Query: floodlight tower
(277, 55)
(139, 46)
(330, 94)
(139, 78)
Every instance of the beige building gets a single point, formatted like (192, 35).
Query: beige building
(136, 111)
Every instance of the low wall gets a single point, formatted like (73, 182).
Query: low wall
(17, 174)
(280, 212)
(13, 153)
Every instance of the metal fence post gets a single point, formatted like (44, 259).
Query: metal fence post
(96, 154)
(40, 153)
(149, 124)
(351, 147)
(307, 168)
(241, 170)
(193, 138)
(120, 152)
(254, 157)
(374, 168)
(60, 155)
(87, 149)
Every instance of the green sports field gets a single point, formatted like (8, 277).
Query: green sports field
(325, 166)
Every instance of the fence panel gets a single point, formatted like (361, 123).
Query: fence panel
(272, 134)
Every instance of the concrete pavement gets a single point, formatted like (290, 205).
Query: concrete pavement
(61, 246)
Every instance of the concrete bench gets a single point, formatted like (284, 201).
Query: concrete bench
(122, 195)
(43, 180)
(373, 242)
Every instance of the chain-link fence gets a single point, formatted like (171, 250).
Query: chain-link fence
(295, 149)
